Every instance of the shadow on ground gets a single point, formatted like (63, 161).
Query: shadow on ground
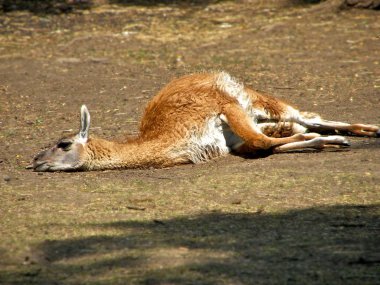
(67, 6)
(166, 2)
(324, 245)
(44, 6)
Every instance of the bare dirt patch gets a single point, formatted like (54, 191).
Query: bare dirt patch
(297, 218)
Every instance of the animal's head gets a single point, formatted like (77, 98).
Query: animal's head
(68, 153)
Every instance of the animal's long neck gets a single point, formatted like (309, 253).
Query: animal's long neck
(103, 154)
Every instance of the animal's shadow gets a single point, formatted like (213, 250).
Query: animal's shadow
(322, 245)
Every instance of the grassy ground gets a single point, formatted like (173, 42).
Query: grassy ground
(297, 218)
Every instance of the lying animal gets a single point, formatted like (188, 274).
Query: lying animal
(197, 118)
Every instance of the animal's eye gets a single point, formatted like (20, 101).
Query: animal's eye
(64, 145)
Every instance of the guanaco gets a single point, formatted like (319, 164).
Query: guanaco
(196, 118)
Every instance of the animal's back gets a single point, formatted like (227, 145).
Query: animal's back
(182, 105)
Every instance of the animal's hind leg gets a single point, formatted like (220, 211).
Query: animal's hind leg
(313, 140)
(315, 123)
(281, 129)
(285, 129)
(243, 126)
(315, 143)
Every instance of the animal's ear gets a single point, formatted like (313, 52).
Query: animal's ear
(84, 123)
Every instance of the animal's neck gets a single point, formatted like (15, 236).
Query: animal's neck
(103, 154)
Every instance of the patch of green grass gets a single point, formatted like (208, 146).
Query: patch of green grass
(7, 133)
(141, 55)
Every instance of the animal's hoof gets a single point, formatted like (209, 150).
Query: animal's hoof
(346, 143)
(378, 134)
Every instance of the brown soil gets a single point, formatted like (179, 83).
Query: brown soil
(297, 218)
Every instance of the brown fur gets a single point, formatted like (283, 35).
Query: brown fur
(273, 106)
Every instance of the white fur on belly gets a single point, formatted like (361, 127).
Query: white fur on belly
(205, 144)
